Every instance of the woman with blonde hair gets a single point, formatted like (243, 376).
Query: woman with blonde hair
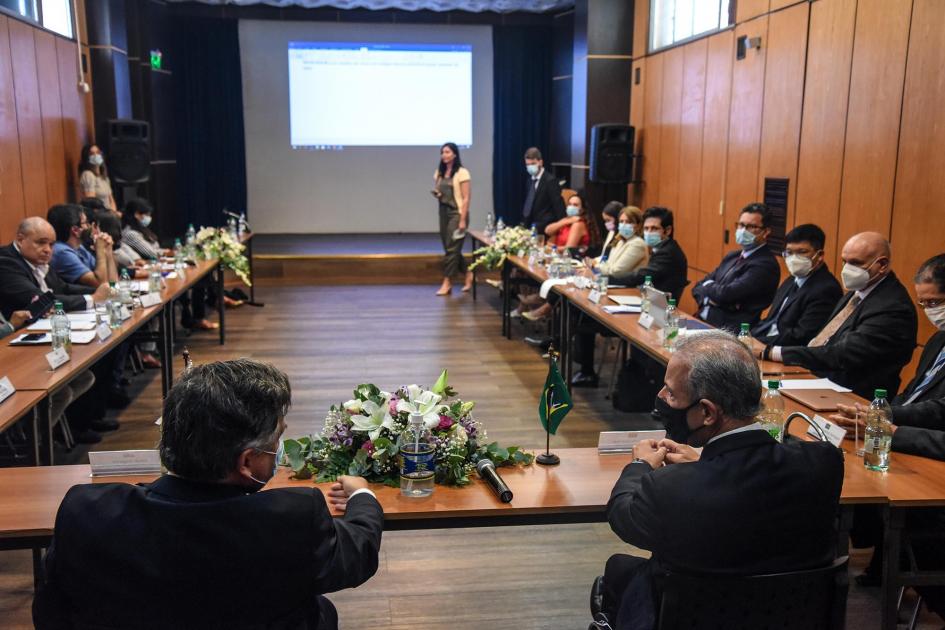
(628, 250)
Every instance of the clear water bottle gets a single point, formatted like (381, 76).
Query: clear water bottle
(154, 276)
(533, 238)
(566, 267)
(490, 225)
(191, 241)
(178, 256)
(241, 227)
(500, 225)
(771, 416)
(645, 294)
(877, 440)
(417, 463)
(233, 229)
(125, 295)
(61, 329)
(113, 306)
(554, 263)
(744, 336)
(671, 330)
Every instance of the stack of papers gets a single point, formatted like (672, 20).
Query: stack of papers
(79, 321)
(78, 337)
(813, 383)
(616, 310)
(626, 300)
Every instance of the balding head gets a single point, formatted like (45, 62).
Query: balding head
(869, 251)
(35, 238)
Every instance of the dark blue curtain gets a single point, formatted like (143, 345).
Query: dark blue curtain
(211, 155)
(522, 71)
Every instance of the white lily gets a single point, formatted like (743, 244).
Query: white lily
(373, 418)
(424, 403)
(353, 405)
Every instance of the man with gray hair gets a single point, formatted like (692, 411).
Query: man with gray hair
(201, 547)
(728, 509)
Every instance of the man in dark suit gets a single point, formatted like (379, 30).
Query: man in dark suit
(201, 547)
(872, 331)
(25, 273)
(722, 511)
(744, 283)
(543, 202)
(805, 300)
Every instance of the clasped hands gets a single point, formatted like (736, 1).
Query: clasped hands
(343, 488)
(664, 452)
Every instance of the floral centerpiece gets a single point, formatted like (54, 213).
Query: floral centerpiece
(507, 242)
(219, 243)
(360, 437)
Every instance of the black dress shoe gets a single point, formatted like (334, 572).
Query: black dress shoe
(118, 398)
(104, 425)
(88, 437)
(584, 380)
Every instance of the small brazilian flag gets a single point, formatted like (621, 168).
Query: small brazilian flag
(555, 400)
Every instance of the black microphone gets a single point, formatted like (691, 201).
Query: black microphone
(487, 471)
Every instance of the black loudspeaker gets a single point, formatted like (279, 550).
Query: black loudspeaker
(128, 152)
(611, 154)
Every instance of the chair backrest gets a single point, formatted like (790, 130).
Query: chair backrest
(567, 193)
(813, 599)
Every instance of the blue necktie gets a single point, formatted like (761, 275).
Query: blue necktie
(529, 200)
(929, 375)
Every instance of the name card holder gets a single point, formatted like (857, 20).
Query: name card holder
(646, 320)
(135, 462)
(103, 331)
(624, 441)
(57, 357)
(835, 433)
(6, 388)
(150, 299)
(594, 296)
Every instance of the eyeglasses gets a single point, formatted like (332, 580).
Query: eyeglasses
(749, 227)
(930, 303)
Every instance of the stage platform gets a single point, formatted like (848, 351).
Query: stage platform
(347, 244)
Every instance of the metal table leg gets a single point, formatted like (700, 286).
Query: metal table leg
(43, 446)
(252, 276)
(167, 354)
(566, 341)
(506, 300)
(472, 243)
(893, 522)
(221, 305)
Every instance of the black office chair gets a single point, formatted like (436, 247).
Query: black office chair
(813, 599)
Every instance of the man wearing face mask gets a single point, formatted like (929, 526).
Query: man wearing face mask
(543, 202)
(75, 235)
(744, 283)
(723, 510)
(201, 547)
(871, 333)
(805, 300)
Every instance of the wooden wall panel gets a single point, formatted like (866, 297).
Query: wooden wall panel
(76, 107)
(11, 180)
(650, 134)
(637, 90)
(669, 128)
(744, 135)
(51, 110)
(748, 9)
(780, 4)
(29, 118)
(919, 210)
(641, 28)
(869, 164)
(823, 131)
(690, 147)
(783, 99)
(718, 92)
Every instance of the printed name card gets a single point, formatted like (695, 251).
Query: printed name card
(125, 313)
(56, 358)
(150, 299)
(646, 320)
(835, 433)
(111, 463)
(104, 331)
(6, 388)
(594, 296)
(624, 441)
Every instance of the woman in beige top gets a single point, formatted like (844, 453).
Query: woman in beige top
(451, 187)
(93, 177)
(628, 251)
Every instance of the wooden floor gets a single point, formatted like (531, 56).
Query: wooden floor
(330, 338)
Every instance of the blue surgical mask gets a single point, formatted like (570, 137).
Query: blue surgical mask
(744, 238)
(652, 239)
(146, 220)
(625, 229)
(532, 169)
(573, 211)
(96, 159)
(275, 464)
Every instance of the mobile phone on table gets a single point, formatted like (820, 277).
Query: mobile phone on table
(41, 305)
(32, 337)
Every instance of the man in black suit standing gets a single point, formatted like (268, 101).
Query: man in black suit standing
(543, 201)
(805, 300)
(201, 547)
(872, 331)
(744, 283)
(721, 511)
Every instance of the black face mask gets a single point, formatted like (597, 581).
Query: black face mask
(677, 429)
(86, 238)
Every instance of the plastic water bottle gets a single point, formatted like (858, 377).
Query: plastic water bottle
(671, 330)
(154, 277)
(178, 256)
(877, 440)
(241, 226)
(113, 305)
(61, 329)
(233, 229)
(191, 241)
(554, 263)
(771, 416)
(566, 267)
(417, 463)
(533, 238)
(645, 294)
(490, 225)
(500, 225)
(124, 289)
(744, 336)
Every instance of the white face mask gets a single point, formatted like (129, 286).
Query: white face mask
(573, 211)
(855, 278)
(798, 265)
(96, 159)
(936, 315)
(146, 220)
(532, 169)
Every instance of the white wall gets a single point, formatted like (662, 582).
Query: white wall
(359, 189)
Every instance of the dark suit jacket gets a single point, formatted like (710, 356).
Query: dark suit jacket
(871, 347)
(667, 266)
(548, 205)
(739, 292)
(805, 313)
(921, 424)
(184, 554)
(18, 286)
(725, 513)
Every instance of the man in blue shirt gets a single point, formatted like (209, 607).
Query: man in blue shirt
(71, 259)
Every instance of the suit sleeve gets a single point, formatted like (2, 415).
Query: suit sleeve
(16, 289)
(632, 511)
(927, 414)
(659, 268)
(921, 442)
(699, 291)
(759, 279)
(347, 555)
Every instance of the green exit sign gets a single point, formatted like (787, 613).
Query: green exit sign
(156, 59)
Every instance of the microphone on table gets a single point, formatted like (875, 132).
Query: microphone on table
(487, 471)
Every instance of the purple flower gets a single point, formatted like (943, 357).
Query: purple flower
(393, 405)
(368, 446)
(445, 423)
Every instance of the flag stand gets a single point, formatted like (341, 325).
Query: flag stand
(548, 458)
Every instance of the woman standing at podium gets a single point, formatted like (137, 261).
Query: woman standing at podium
(451, 188)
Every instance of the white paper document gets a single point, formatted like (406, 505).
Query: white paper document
(616, 310)
(813, 383)
(78, 321)
(79, 337)
(547, 284)
(627, 300)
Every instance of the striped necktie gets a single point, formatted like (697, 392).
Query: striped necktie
(927, 379)
(834, 324)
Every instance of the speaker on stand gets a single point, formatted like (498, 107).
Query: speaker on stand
(128, 154)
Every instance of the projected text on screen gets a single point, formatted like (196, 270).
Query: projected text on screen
(358, 94)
